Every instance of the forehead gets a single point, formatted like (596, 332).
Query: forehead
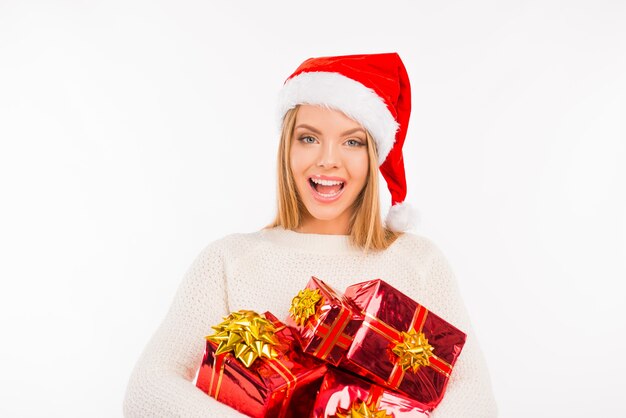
(324, 116)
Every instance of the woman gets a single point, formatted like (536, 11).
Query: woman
(343, 118)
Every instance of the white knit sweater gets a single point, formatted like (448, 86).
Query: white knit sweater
(262, 271)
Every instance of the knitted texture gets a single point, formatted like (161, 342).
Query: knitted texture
(262, 271)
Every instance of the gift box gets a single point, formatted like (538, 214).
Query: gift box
(344, 395)
(401, 345)
(253, 364)
(324, 320)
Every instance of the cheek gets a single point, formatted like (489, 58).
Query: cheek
(359, 168)
(294, 164)
(299, 160)
(297, 166)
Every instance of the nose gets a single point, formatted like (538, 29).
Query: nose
(329, 155)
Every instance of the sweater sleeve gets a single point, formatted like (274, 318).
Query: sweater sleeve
(161, 384)
(469, 393)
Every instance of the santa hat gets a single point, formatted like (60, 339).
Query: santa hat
(373, 90)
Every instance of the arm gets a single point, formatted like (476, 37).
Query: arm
(469, 392)
(161, 382)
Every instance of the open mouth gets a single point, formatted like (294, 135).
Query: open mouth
(326, 188)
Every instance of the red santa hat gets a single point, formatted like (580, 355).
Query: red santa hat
(373, 90)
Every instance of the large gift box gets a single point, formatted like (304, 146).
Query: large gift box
(344, 395)
(253, 364)
(325, 321)
(401, 345)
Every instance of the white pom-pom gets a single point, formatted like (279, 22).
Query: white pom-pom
(402, 217)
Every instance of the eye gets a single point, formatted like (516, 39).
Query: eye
(306, 138)
(355, 142)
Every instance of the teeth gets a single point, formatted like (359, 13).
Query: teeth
(328, 194)
(326, 182)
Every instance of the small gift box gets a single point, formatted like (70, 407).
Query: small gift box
(401, 345)
(253, 364)
(324, 320)
(343, 395)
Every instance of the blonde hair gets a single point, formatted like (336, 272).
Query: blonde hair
(366, 230)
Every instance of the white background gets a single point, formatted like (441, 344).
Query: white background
(133, 133)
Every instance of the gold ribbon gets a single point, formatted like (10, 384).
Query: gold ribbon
(247, 335)
(303, 305)
(360, 410)
(414, 351)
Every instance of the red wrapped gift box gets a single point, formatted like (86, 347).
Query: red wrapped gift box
(402, 345)
(325, 321)
(253, 364)
(344, 395)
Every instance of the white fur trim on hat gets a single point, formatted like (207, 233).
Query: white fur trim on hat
(339, 92)
(402, 217)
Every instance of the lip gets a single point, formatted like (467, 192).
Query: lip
(331, 178)
(321, 198)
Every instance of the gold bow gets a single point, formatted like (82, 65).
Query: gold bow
(248, 335)
(414, 351)
(303, 305)
(361, 410)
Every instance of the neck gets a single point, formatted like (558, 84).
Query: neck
(337, 226)
(310, 242)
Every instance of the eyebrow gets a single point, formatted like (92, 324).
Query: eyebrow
(348, 132)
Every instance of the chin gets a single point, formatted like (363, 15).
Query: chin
(326, 215)
(325, 218)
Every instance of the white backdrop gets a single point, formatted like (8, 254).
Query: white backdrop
(133, 133)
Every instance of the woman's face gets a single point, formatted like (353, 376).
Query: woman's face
(329, 162)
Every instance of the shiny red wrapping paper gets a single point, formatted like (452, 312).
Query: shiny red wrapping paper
(389, 316)
(328, 333)
(263, 389)
(340, 391)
